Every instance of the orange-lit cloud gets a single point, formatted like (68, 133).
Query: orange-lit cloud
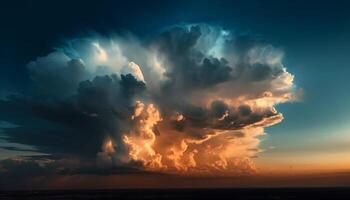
(193, 101)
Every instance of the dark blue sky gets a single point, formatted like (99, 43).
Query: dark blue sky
(313, 34)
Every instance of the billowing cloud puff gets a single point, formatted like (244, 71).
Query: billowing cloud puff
(193, 100)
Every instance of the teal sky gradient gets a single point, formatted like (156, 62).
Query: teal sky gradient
(314, 35)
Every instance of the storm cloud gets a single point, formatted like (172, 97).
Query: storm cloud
(192, 100)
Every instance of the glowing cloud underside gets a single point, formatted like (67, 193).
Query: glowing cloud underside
(193, 101)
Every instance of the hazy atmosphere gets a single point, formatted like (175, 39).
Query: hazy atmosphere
(134, 94)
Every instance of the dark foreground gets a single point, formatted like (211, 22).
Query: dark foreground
(266, 193)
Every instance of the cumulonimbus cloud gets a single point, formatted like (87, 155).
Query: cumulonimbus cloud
(192, 100)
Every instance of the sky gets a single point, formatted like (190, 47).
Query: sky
(253, 88)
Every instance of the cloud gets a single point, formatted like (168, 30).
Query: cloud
(57, 71)
(192, 100)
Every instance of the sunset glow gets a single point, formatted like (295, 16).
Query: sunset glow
(197, 93)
